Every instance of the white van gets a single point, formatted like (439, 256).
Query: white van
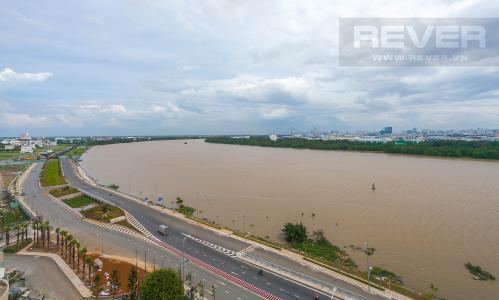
(163, 229)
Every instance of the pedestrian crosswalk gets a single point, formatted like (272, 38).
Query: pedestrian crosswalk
(247, 250)
(217, 248)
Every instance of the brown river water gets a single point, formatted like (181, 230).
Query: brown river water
(426, 218)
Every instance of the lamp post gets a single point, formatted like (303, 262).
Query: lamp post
(367, 253)
(183, 261)
(369, 280)
(334, 292)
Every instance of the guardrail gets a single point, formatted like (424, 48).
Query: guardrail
(335, 291)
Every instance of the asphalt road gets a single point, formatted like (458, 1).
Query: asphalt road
(151, 219)
(101, 240)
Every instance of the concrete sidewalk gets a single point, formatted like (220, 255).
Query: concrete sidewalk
(73, 278)
(41, 273)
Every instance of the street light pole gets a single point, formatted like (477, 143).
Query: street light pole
(367, 254)
(244, 228)
(334, 292)
(369, 280)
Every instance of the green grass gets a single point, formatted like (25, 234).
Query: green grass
(79, 201)
(326, 251)
(52, 174)
(10, 154)
(13, 249)
(186, 210)
(63, 191)
(103, 212)
(78, 151)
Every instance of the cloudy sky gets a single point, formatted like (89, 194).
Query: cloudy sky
(99, 67)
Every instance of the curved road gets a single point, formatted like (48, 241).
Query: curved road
(178, 229)
(101, 240)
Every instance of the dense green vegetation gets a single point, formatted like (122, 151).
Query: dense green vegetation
(9, 217)
(79, 201)
(162, 284)
(294, 233)
(475, 149)
(380, 272)
(103, 212)
(181, 208)
(317, 246)
(113, 186)
(478, 272)
(77, 151)
(52, 174)
(63, 191)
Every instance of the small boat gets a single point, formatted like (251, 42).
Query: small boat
(373, 187)
(185, 143)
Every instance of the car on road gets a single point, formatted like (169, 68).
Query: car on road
(23, 194)
(163, 229)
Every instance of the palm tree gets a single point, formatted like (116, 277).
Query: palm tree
(69, 238)
(115, 282)
(63, 234)
(7, 229)
(18, 230)
(22, 233)
(89, 262)
(72, 245)
(96, 289)
(34, 225)
(42, 231)
(26, 230)
(133, 283)
(49, 228)
(77, 244)
(82, 253)
(57, 231)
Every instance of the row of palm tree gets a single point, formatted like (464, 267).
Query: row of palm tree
(41, 232)
(21, 230)
(71, 250)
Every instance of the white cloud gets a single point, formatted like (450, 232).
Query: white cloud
(8, 74)
(276, 113)
(24, 120)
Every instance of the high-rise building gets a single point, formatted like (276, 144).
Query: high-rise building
(386, 131)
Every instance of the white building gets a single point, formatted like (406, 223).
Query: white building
(25, 137)
(273, 137)
(15, 143)
(27, 149)
(9, 147)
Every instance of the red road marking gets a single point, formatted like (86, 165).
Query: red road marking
(219, 272)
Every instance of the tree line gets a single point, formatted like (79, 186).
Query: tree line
(443, 148)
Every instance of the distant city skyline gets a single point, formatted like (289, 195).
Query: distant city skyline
(165, 68)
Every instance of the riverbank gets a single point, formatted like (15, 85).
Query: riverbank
(438, 148)
(421, 206)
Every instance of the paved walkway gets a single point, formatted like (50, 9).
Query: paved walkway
(70, 274)
(43, 273)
